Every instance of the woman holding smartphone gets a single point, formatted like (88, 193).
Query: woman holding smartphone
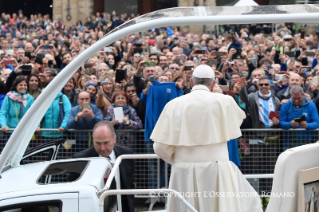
(130, 119)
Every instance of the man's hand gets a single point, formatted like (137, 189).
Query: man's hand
(60, 130)
(232, 51)
(88, 113)
(38, 130)
(179, 84)
(303, 124)
(147, 87)
(219, 75)
(275, 121)
(135, 101)
(80, 115)
(294, 124)
(284, 101)
(5, 129)
(243, 82)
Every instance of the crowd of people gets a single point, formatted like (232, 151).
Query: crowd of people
(272, 76)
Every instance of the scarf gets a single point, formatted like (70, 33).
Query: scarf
(107, 96)
(264, 96)
(17, 97)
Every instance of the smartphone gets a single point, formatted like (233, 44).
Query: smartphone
(3, 56)
(107, 49)
(134, 95)
(26, 69)
(212, 62)
(301, 119)
(305, 69)
(189, 68)
(292, 59)
(314, 80)
(310, 53)
(47, 47)
(152, 78)
(266, 63)
(146, 54)
(86, 105)
(7, 62)
(120, 75)
(219, 54)
(280, 77)
(290, 54)
(254, 43)
(88, 65)
(287, 38)
(28, 55)
(138, 45)
(200, 52)
(237, 55)
(10, 52)
(180, 57)
(225, 88)
(39, 58)
(102, 83)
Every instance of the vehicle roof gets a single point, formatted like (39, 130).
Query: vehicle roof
(24, 178)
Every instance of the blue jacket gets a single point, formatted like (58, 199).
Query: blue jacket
(158, 96)
(10, 112)
(289, 111)
(51, 117)
(2, 97)
(79, 125)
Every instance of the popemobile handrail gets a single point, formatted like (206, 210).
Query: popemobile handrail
(105, 191)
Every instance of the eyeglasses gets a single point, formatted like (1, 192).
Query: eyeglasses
(174, 68)
(263, 84)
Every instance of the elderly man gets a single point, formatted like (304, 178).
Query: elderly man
(84, 118)
(104, 140)
(138, 80)
(193, 138)
(284, 95)
(296, 108)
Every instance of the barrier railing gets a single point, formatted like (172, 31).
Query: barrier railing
(258, 150)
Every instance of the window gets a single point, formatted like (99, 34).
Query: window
(62, 172)
(47, 206)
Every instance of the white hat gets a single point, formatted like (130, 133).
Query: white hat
(204, 71)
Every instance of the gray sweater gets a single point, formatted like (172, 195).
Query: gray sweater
(251, 101)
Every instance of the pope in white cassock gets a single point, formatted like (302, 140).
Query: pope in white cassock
(191, 134)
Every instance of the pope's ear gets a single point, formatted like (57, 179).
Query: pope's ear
(191, 81)
(213, 85)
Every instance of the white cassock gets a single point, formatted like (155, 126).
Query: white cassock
(192, 134)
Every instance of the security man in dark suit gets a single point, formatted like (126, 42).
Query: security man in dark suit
(104, 138)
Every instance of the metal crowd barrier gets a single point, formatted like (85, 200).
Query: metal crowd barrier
(258, 150)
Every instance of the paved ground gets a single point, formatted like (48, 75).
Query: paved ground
(141, 206)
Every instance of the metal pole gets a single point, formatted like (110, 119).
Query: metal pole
(146, 191)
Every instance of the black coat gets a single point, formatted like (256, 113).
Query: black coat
(126, 172)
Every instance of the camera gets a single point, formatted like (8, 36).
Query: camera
(102, 83)
(231, 63)
(287, 38)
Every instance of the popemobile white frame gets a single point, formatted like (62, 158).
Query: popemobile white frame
(18, 142)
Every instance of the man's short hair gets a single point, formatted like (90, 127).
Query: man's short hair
(108, 124)
(296, 89)
(83, 92)
(203, 81)
(263, 78)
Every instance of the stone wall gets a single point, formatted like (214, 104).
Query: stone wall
(79, 10)
(197, 29)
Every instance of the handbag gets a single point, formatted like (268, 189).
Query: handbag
(61, 114)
